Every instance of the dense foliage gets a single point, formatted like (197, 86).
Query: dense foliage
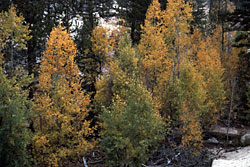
(131, 110)
(15, 114)
(60, 105)
(158, 68)
(15, 108)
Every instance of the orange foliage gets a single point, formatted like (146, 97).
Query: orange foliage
(155, 60)
(205, 54)
(191, 130)
(61, 106)
(13, 29)
(176, 21)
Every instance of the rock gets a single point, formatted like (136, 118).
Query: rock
(223, 133)
(231, 163)
(212, 140)
(245, 139)
(238, 158)
(215, 129)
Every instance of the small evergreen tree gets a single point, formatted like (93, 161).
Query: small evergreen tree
(131, 125)
(14, 115)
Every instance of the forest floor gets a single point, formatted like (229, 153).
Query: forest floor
(216, 152)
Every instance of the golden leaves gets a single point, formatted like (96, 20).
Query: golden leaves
(12, 28)
(60, 104)
(101, 44)
(191, 130)
(206, 56)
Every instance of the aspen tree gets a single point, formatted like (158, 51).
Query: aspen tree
(187, 96)
(152, 48)
(176, 26)
(14, 35)
(60, 104)
(15, 109)
(155, 59)
(207, 60)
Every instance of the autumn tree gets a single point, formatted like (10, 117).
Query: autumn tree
(176, 22)
(131, 8)
(205, 54)
(60, 104)
(155, 58)
(91, 66)
(13, 36)
(192, 96)
(15, 109)
(131, 110)
(191, 129)
(185, 79)
(187, 97)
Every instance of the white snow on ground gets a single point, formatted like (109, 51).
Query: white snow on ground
(239, 158)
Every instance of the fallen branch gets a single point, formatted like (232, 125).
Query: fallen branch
(95, 162)
(149, 166)
(159, 161)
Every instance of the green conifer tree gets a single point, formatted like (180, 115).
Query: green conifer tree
(131, 125)
(14, 115)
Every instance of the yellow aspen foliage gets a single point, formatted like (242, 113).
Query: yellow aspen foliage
(100, 41)
(103, 96)
(228, 58)
(60, 105)
(104, 41)
(177, 18)
(14, 35)
(12, 29)
(95, 58)
(176, 21)
(206, 58)
(191, 130)
(230, 61)
(154, 14)
(206, 55)
(191, 104)
(155, 60)
(129, 61)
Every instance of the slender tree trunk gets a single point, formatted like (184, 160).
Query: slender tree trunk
(11, 59)
(174, 68)
(178, 60)
(177, 45)
(233, 82)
